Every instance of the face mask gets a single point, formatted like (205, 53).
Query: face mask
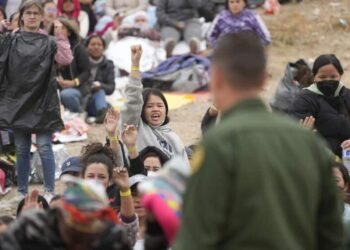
(152, 174)
(328, 87)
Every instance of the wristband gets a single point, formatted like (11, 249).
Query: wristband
(125, 194)
(132, 150)
(77, 82)
(113, 138)
(135, 68)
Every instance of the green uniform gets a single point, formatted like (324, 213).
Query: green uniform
(260, 182)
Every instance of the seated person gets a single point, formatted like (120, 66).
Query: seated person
(138, 25)
(73, 79)
(297, 76)
(178, 20)
(125, 7)
(327, 102)
(71, 9)
(235, 19)
(139, 210)
(71, 166)
(50, 13)
(147, 110)
(146, 162)
(101, 78)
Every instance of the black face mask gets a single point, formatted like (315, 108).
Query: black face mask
(328, 87)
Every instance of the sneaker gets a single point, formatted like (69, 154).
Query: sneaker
(48, 196)
(90, 120)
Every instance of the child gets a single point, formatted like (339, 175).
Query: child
(148, 110)
(235, 19)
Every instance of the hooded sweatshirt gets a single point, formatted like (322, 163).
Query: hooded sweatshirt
(331, 114)
(162, 136)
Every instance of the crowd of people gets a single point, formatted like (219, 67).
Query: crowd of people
(259, 179)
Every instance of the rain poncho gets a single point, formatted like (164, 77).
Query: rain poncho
(28, 89)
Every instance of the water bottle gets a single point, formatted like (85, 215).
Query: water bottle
(346, 158)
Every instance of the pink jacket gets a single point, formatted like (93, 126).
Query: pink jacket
(64, 54)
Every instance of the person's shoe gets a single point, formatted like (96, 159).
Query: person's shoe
(90, 120)
(100, 118)
(169, 47)
(48, 196)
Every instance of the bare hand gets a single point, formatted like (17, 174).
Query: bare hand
(5, 24)
(31, 201)
(129, 135)
(121, 177)
(96, 85)
(180, 25)
(346, 145)
(136, 53)
(111, 121)
(59, 29)
(308, 122)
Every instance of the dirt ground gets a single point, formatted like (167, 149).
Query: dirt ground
(303, 30)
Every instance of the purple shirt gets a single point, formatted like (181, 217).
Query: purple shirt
(227, 23)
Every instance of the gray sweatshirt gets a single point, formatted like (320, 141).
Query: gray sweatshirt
(162, 137)
(169, 12)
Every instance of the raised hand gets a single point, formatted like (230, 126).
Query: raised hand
(121, 177)
(346, 145)
(129, 135)
(136, 53)
(111, 121)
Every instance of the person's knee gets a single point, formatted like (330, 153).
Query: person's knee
(45, 149)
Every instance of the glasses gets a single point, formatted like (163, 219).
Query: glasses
(31, 13)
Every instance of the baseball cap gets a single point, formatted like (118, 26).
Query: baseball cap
(72, 164)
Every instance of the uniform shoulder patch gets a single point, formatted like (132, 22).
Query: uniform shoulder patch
(197, 159)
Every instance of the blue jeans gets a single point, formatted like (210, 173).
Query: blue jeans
(72, 100)
(97, 103)
(23, 141)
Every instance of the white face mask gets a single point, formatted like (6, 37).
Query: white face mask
(152, 174)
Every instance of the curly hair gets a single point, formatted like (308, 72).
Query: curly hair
(97, 153)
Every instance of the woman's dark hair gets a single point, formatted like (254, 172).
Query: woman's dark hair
(74, 35)
(88, 40)
(152, 151)
(41, 200)
(146, 94)
(344, 172)
(327, 59)
(26, 5)
(13, 16)
(97, 153)
(3, 12)
(227, 4)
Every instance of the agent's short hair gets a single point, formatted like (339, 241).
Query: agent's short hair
(242, 59)
(26, 5)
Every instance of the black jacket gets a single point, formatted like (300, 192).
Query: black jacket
(38, 230)
(28, 89)
(105, 75)
(79, 68)
(331, 115)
